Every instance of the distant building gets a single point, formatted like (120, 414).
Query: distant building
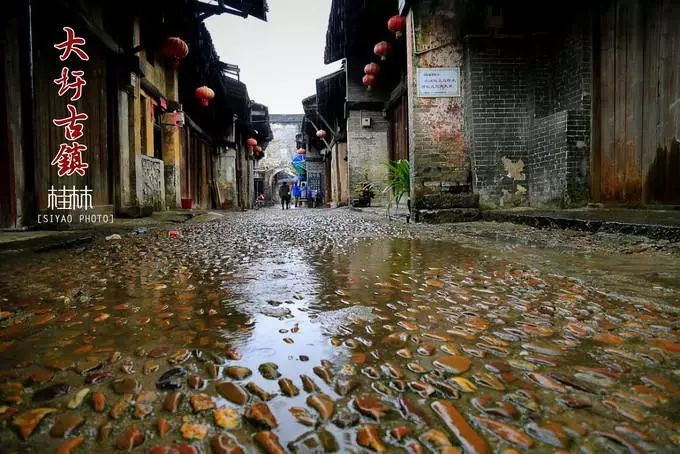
(276, 164)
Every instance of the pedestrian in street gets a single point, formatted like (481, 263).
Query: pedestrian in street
(284, 195)
(296, 194)
(303, 194)
(318, 199)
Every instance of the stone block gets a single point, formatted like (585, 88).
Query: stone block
(446, 200)
(448, 215)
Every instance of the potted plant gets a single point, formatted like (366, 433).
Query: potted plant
(398, 183)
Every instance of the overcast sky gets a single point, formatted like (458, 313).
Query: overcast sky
(279, 59)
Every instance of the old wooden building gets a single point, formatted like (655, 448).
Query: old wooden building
(376, 127)
(142, 139)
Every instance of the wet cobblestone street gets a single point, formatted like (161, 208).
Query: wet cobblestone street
(338, 331)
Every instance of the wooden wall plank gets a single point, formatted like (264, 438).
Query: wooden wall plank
(650, 91)
(618, 180)
(669, 139)
(632, 146)
(49, 106)
(607, 101)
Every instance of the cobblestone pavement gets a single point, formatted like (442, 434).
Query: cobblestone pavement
(339, 331)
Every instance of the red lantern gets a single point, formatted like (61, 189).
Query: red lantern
(372, 68)
(258, 149)
(251, 143)
(301, 151)
(397, 25)
(369, 81)
(382, 49)
(321, 133)
(175, 50)
(204, 95)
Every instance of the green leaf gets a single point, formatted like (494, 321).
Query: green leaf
(398, 180)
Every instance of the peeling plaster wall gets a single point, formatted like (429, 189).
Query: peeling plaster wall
(225, 175)
(437, 152)
(367, 152)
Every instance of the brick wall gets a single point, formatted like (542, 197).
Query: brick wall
(528, 101)
(497, 103)
(548, 158)
(558, 159)
(367, 151)
(560, 139)
(578, 160)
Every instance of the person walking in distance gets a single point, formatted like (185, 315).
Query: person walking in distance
(303, 194)
(296, 194)
(284, 195)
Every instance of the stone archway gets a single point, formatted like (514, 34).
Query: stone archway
(277, 171)
(272, 178)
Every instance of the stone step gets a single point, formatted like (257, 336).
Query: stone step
(446, 200)
(447, 215)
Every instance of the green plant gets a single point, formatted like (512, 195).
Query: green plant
(398, 181)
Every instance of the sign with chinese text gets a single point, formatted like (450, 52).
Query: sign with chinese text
(438, 82)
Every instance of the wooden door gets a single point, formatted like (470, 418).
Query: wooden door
(398, 130)
(636, 121)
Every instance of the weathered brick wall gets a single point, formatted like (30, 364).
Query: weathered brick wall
(578, 160)
(559, 171)
(571, 68)
(558, 159)
(438, 156)
(367, 152)
(497, 102)
(528, 102)
(548, 158)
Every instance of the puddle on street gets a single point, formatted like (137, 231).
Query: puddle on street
(391, 344)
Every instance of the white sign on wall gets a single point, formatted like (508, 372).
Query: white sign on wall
(438, 82)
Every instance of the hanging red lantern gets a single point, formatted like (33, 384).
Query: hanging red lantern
(251, 143)
(204, 95)
(301, 151)
(321, 133)
(369, 81)
(372, 68)
(397, 25)
(382, 49)
(258, 149)
(174, 49)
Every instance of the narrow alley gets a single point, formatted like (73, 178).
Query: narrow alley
(337, 331)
